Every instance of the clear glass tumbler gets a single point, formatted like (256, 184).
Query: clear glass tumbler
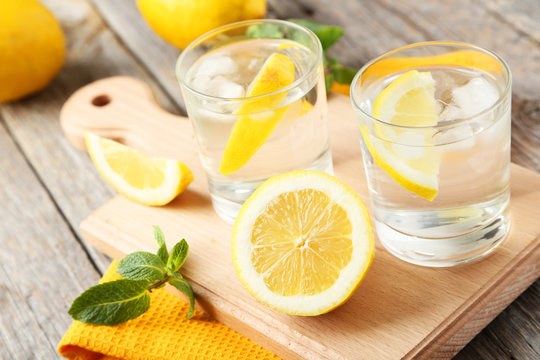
(255, 94)
(434, 121)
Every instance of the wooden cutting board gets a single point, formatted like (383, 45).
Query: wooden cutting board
(399, 311)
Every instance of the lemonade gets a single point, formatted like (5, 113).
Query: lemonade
(438, 170)
(258, 108)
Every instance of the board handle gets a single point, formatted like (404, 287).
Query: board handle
(123, 109)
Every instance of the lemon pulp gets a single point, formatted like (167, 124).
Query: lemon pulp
(302, 243)
(408, 101)
(258, 117)
(298, 234)
(140, 178)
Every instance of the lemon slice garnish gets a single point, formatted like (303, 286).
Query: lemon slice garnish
(258, 117)
(302, 243)
(408, 101)
(140, 178)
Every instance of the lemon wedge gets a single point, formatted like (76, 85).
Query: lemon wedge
(140, 178)
(302, 243)
(408, 101)
(258, 117)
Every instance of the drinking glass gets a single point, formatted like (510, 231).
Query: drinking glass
(440, 191)
(255, 117)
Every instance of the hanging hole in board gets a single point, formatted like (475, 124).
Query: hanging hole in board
(101, 100)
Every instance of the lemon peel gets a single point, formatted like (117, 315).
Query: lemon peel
(302, 243)
(408, 101)
(258, 117)
(143, 179)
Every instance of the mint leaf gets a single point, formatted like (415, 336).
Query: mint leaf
(178, 255)
(343, 74)
(181, 284)
(142, 265)
(328, 80)
(264, 31)
(111, 303)
(327, 34)
(160, 239)
(115, 302)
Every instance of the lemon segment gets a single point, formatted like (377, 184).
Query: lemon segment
(140, 178)
(302, 243)
(408, 101)
(463, 58)
(258, 117)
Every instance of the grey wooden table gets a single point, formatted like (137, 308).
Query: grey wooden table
(47, 187)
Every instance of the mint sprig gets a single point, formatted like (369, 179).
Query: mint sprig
(328, 36)
(115, 302)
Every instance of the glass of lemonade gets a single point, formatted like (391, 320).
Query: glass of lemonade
(255, 94)
(434, 121)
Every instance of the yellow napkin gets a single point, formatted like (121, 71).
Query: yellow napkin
(163, 332)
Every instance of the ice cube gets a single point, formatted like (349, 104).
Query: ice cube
(201, 83)
(409, 152)
(221, 65)
(451, 112)
(220, 86)
(454, 139)
(410, 145)
(475, 96)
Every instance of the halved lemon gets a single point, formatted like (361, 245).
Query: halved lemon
(140, 178)
(302, 243)
(258, 117)
(408, 101)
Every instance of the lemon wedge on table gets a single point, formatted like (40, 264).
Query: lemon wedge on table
(302, 243)
(258, 118)
(408, 101)
(140, 178)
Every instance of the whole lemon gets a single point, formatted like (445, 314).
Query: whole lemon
(31, 48)
(182, 21)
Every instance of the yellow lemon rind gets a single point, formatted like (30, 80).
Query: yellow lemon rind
(248, 133)
(350, 277)
(178, 176)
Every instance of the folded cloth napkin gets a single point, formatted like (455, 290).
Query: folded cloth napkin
(163, 332)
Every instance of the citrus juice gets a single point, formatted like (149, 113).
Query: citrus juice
(258, 108)
(439, 187)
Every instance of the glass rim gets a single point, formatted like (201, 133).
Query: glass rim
(448, 123)
(245, 23)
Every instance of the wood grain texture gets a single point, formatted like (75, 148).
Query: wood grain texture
(67, 173)
(42, 265)
(439, 309)
(372, 27)
(100, 49)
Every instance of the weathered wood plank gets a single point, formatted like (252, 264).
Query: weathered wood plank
(158, 56)
(68, 174)
(42, 265)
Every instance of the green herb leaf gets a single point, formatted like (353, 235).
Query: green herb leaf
(264, 31)
(343, 74)
(111, 303)
(178, 255)
(328, 80)
(327, 34)
(142, 265)
(160, 239)
(181, 284)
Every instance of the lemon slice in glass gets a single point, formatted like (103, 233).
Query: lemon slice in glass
(140, 178)
(258, 117)
(302, 243)
(408, 101)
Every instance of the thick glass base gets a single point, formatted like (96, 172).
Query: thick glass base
(228, 197)
(447, 251)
